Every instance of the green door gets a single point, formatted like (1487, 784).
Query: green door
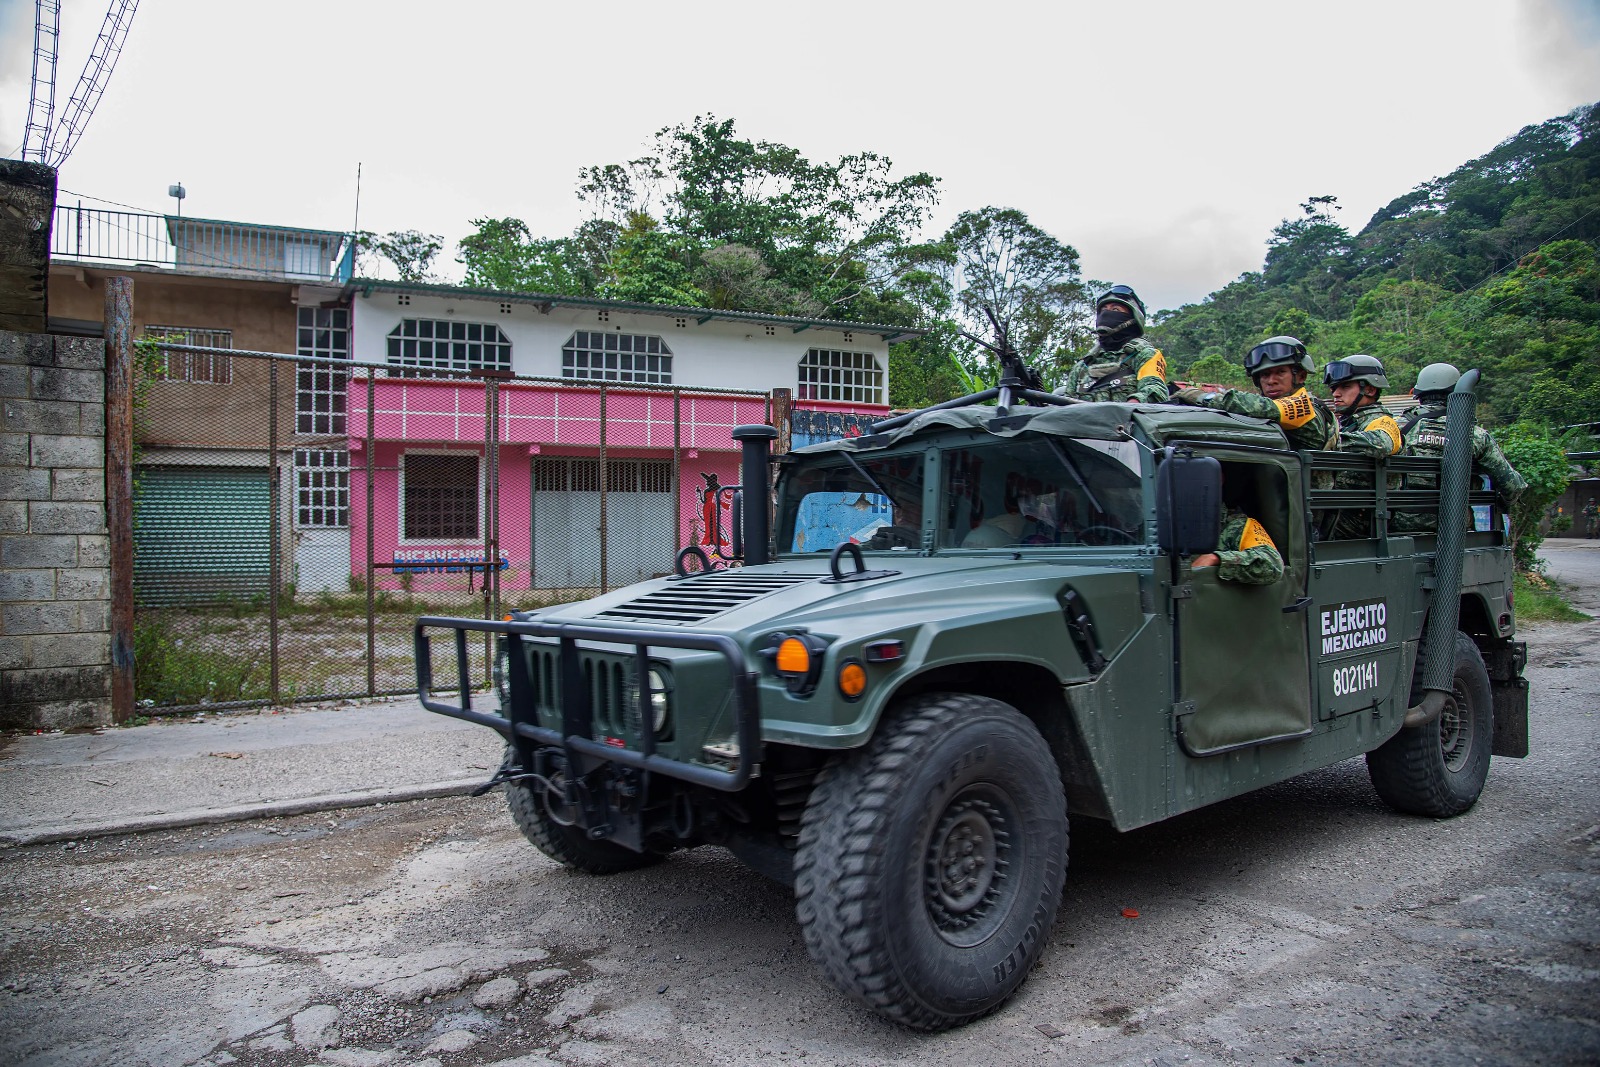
(201, 534)
(1244, 676)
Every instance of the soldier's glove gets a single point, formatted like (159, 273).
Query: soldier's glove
(1188, 395)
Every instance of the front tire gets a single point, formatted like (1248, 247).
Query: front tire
(1440, 769)
(931, 861)
(568, 845)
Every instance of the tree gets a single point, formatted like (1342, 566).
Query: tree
(1538, 457)
(1012, 277)
(409, 251)
(501, 254)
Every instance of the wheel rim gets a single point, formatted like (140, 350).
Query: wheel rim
(968, 882)
(1455, 729)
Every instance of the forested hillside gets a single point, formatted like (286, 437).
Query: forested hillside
(1492, 266)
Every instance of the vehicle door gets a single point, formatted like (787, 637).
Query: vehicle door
(1242, 664)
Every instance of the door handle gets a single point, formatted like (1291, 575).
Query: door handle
(1300, 604)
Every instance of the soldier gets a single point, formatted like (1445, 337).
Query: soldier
(1278, 366)
(1245, 552)
(1122, 366)
(1591, 518)
(1365, 429)
(1423, 435)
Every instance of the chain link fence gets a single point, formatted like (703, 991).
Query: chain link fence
(294, 515)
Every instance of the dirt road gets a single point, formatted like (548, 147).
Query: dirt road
(1305, 923)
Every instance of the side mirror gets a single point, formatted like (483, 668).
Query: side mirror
(1188, 502)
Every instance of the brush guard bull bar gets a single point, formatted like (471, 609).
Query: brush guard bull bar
(576, 736)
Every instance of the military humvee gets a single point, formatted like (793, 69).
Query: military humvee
(978, 620)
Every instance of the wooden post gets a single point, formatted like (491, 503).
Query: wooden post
(119, 489)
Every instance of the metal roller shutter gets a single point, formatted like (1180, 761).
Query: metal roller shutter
(201, 534)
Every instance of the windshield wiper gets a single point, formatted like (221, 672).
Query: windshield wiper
(868, 476)
(1077, 475)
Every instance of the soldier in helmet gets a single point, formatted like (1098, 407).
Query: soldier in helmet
(1422, 433)
(1278, 366)
(1365, 429)
(1122, 366)
(1591, 518)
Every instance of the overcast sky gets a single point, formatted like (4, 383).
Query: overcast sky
(1163, 140)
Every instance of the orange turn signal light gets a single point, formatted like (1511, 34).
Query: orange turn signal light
(793, 657)
(852, 679)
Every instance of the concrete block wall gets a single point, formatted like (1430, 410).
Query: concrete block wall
(55, 640)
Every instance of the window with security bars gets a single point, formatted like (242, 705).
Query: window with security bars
(210, 368)
(440, 500)
(322, 487)
(617, 357)
(320, 389)
(583, 476)
(851, 377)
(423, 345)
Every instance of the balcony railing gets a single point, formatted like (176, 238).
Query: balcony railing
(201, 246)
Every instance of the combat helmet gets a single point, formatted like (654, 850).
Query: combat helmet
(1436, 378)
(1124, 295)
(1357, 368)
(1280, 351)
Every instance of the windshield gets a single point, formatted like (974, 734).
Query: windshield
(1037, 491)
(874, 501)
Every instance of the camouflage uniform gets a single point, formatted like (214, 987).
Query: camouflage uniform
(1306, 420)
(1591, 519)
(1135, 373)
(1424, 436)
(1246, 551)
(1369, 431)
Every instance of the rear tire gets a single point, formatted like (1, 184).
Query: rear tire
(930, 862)
(568, 845)
(1440, 769)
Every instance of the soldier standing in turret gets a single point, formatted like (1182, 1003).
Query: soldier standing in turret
(1423, 435)
(1122, 366)
(1278, 366)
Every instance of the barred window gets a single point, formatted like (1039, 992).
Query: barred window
(440, 344)
(322, 487)
(210, 368)
(319, 389)
(852, 377)
(441, 497)
(617, 357)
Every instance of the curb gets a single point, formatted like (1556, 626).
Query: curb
(139, 824)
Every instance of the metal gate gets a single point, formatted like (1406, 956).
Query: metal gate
(204, 535)
(570, 508)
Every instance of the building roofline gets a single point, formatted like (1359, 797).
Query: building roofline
(890, 334)
(173, 220)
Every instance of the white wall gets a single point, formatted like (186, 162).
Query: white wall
(716, 355)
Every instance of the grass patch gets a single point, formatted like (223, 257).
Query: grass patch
(181, 667)
(1538, 600)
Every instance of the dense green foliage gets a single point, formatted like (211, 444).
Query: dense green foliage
(1492, 266)
(1540, 459)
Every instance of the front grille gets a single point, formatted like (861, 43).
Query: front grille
(696, 599)
(610, 680)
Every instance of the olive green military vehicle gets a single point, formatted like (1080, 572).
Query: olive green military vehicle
(976, 621)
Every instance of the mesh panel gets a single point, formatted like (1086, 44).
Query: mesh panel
(258, 575)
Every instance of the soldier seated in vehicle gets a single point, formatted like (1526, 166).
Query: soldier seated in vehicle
(1245, 551)
(1278, 366)
(1423, 434)
(1122, 367)
(1365, 429)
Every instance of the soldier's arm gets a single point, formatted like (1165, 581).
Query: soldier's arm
(1253, 559)
(1486, 454)
(1152, 379)
(1380, 437)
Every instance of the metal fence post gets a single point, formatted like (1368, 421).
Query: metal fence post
(119, 489)
(605, 585)
(274, 502)
(372, 621)
(677, 462)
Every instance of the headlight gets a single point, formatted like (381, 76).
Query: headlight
(660, 701)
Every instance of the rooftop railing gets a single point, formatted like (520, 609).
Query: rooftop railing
(202, 246)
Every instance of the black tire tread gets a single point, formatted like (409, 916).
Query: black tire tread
(848, 805)
(1407, 771)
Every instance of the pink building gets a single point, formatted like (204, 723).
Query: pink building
(618, 416)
